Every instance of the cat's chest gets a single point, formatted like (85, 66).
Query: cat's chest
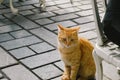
(67, 59)
(70, 58)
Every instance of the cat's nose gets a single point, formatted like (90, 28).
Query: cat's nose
(68, 44)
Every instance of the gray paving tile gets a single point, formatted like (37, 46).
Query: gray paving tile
(41, 47)
(85, 7)
(48, 4)
(4, 79)
(88, 35)
(51, 3)
(20, 42)
(19, 72)
(24, 22)
(5, 22)
(26, 7)
(2, 17)
(22, 52)
(6, 2)
(85, 2)
(87, 27)
(58, 78)
(36, 11)
(6, 10)
(5, 37)
(26, 12)
(1, 75)
(28, 2)
(15, 4)
(76, 3)
(47, 72)
(41, 15)
(44, 21)
(105, 78)
(110, 71)
(46, 35)
(67, 23)
(36, 5)
(85, 13)
(20, 33)
(52, 8)
(64, 17)
(41, 59)
(61, 2)
(84, 19)
(25, 2)
(65, 5)
(2, 6)
(60, 64)
(67, 10)
(9, 28)
(6, 59)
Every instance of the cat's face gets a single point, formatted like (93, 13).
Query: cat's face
(67, 37)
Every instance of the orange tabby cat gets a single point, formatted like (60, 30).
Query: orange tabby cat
(76, 53)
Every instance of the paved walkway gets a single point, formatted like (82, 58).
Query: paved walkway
(28, 41)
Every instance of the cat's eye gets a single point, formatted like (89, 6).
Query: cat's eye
(72, 39)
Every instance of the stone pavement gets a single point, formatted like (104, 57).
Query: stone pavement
(28, 41)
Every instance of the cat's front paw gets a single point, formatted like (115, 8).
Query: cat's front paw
(65, 77)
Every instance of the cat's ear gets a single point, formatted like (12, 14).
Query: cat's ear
(77, 28)
(75, 33)
(60, 28)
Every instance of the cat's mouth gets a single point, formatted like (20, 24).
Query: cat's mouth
(70, 46)
(67, 46)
